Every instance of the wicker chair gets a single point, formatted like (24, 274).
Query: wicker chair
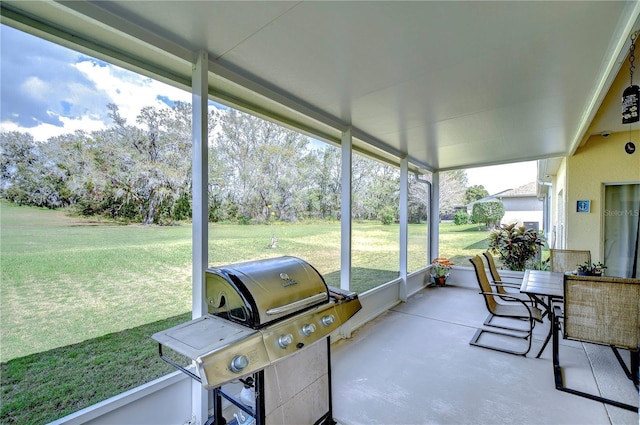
(516, 310)
(600, 310)
(500, 284)
(565, 260)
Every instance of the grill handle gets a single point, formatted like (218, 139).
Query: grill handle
(297, 305)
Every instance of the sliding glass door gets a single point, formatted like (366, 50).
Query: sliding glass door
(622, 230)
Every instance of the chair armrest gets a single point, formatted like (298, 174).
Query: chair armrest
(557, 311)
(512, 286)
(505, 284)
(510, 279)
(557, 324)
(497, 294)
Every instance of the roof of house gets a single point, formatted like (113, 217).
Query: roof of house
(525, 190)
(528, 189)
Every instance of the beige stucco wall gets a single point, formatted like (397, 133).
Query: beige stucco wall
(600, 161)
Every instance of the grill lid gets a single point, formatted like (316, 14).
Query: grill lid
(257, 293)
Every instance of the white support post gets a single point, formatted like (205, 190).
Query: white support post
(404, 226)
(200, 197)
(427, 245)
(345, 211)
(434, 217)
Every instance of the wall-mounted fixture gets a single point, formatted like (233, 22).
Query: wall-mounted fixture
(630, 147)
(583, 206)
(631, 95)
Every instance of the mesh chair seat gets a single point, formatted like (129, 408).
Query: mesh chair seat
(517, 311)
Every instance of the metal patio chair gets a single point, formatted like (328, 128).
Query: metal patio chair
(600, 310)
(515, 311)
(500, 285)
(565, 260)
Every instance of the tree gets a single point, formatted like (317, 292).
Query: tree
(475, 193)
(452, 190)
(375, 189)
(325, 195)
(418, 199)
(151, 171)
(489, 212)
(258, 171)
(28, 172)
(71, 157)
(19, 155)
(264, 167)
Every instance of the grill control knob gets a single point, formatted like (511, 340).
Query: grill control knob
(308, 329)
(238, 363)
(285, 340)
(328, 320)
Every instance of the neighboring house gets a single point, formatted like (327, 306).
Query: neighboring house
(521, 205)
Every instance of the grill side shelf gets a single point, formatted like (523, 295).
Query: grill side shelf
(214, 345)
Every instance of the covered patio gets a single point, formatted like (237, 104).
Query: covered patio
(424, 86)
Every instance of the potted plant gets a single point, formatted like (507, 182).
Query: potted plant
(591, 269)
(440, 268)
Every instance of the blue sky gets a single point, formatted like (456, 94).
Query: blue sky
(48, 90)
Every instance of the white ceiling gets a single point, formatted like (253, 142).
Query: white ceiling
(450, 84)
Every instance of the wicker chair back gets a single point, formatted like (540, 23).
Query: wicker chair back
(565, 260)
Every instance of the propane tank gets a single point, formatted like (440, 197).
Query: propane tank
(248, 393)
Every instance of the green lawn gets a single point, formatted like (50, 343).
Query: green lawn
(79, 299)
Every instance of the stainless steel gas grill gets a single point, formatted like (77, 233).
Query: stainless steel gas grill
(263, 317)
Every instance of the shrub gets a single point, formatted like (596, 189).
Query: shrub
(516, 245)
(461, 217)
(182, 208)
(387, 219)
(387, 216)
(243, 219)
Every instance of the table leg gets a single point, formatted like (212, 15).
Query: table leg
(540, 300)
(551, 319)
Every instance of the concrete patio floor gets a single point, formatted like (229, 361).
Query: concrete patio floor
(414, 365)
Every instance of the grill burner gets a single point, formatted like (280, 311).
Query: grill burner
(259, 313)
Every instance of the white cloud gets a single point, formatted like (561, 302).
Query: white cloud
(35, 88)
(130, 91)
(44, 131)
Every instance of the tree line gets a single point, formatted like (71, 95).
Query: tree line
(258, 171)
